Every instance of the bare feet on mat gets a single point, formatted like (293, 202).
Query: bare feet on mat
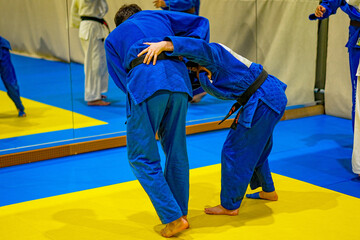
(220, 210)
(98, 103)
(174, 227)
(272, 196)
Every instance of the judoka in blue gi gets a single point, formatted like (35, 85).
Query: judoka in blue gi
(8, 76)
(157, 103)
(351, 8)
(188, 6)
(246, 149)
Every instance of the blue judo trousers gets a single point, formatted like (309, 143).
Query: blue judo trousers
(157, 98)
(163, 113)
(8, 76)
(353, 42)
(244, 157)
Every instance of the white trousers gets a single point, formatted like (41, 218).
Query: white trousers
(356, 146)
(96, 73)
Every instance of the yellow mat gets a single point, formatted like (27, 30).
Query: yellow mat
(124, 212)
(40, 118)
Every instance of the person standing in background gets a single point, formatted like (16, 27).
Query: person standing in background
(356, 144)
(87, 15)
(8, 76)
(351, 8)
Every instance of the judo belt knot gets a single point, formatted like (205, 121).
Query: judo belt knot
(244, 98)
(354, 23)
(95, 19)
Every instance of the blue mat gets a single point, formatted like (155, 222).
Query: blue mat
(302, 150)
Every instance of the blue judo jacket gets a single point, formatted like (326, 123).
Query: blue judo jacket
(231, 75)
(331, 8)
(127, 40)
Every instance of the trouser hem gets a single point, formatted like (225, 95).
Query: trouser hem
(171, 219)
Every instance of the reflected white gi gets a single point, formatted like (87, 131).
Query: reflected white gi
(92, 35)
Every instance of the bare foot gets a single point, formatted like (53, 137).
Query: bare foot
(174, 227)
(272, 196)
(185, 217)
(22, 114)
(220, 210)
(98, 103)
(197, 98)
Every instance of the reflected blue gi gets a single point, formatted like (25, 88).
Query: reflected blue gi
(157, 102)
(245, 152)
(8, 76)
(354, 36)
(182, 5)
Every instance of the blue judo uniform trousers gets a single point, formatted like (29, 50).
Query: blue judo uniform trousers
(353, 42)
(157, 103)
(7, 73)
(245, 152)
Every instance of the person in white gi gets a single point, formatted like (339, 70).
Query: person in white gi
(87, 15)
(356, 145)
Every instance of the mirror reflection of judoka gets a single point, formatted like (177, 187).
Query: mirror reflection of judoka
(8, 76)
(351, 8)
(246, 149)
(157, 103)
(87, 15)
(188, 6)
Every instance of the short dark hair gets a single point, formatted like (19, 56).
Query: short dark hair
(125, 12)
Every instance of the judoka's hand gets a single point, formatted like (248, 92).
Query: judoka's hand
(159, 3)
(199, 69)
(319, 11)
(155, 49)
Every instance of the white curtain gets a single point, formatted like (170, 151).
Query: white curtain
(274, 33)
(36, 28)
(338, 83)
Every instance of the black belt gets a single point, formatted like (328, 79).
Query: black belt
(99, 20)
(354, 23)
(244, 98)
(139, 60)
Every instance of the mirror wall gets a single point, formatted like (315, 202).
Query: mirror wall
(48, 59)
(38, 34)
